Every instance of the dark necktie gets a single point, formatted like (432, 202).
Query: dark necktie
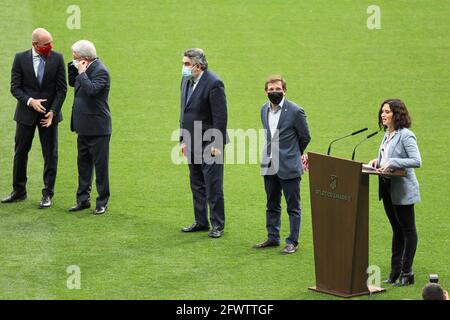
(190, 89)
(40, 71)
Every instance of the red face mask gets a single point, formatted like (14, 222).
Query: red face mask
(44, 50)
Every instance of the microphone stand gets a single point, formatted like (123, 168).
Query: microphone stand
(348, 135)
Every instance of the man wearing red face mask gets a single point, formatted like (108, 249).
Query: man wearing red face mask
(38, 82)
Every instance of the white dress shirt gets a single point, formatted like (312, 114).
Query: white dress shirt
(196, 81)
(385, 145)
(274, 117)
(36, 61)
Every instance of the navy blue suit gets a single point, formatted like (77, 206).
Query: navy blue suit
(91, 120)
(282, 169)
(207, 104)
(24, 85)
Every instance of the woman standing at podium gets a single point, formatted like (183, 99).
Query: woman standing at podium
(399, 150)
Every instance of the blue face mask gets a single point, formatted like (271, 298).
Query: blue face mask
(187, 72)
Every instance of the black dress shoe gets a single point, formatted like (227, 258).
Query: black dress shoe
(405, 279)
(266, 244)
(80, 206)
(195, 227)
(100, 210)
(15, 197)
(46, 202)
(392, 278)
(389, 281)
(216, 232)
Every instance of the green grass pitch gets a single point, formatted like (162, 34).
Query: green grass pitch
(335, 67)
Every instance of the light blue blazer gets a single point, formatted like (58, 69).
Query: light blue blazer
(404, 154)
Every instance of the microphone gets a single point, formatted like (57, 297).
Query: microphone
(368, 137)
(348, 135)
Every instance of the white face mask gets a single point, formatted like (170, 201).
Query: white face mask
(76, 63)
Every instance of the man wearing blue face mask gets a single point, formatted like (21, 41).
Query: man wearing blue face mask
(203, 110)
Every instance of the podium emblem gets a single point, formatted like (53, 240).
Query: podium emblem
(333, 182)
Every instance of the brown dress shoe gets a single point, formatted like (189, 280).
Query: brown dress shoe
(266, 244)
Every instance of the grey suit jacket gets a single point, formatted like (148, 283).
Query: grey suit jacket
(404, 154)
(90, 112)
(288, 144)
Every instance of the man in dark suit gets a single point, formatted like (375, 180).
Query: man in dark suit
(204, 117)
(287, 136)
(38, 82)
(91, 120)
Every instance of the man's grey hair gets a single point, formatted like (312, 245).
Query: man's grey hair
(85, 49)
(198, 57)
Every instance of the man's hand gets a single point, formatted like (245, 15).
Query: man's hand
(36, 104)
(215, 152)
(47, 122)
(82, 66)
(305, 162)
(183, 149)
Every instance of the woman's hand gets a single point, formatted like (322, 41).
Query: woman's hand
(373, 163)
(385, 168)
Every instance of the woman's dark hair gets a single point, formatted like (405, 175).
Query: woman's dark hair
(400, 115)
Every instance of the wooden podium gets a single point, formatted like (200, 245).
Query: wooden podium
(339, 192)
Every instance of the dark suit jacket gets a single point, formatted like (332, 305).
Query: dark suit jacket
(289, 142)
(90, 112)
(207, 104)
(24, 85)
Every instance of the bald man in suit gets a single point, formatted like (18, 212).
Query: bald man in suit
(38, 82)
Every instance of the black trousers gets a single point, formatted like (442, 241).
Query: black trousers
(207, 189)
(49, 145)
(404, 239)
(291, 189)
(93, 152)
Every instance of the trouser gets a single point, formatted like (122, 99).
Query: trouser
(49, 145)
(274, 186)
(207, 189)
(93, 152)
(404, 239)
